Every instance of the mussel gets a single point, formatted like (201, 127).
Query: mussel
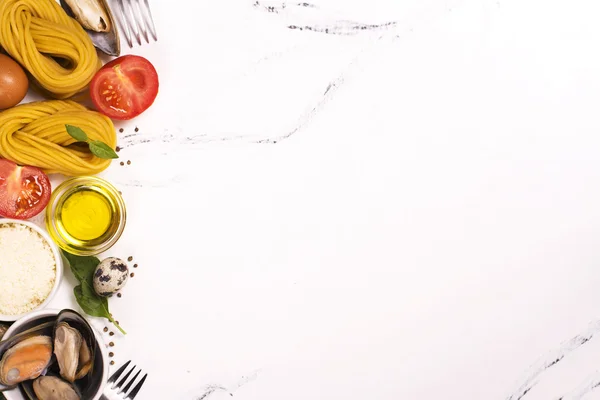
(72, 352)
(67, 345)
(74, 346)
(54, 388)
(27, 360)
(90, 14)
(98, 21)
(78, 362)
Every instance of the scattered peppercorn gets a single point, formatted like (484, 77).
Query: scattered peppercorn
(117, 322)
(130, 258)
(112, 334)
(112, 363)
(111, 354)
(119, 295)
(122, 163)
(121, 130)
(112, 344)
(135, 265)
(118, 149)
(105, 329)
(132, 275)
(137, 129)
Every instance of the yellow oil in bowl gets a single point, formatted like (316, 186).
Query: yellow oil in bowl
(86, 216)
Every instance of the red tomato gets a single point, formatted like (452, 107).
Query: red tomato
(24, 191)
(125, 87)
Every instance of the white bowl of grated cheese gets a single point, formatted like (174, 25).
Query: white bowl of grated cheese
(31, 269)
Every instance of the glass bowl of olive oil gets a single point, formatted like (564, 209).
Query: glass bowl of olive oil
(86, 216)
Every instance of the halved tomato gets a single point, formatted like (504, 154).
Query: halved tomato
(125, 87)
(24, 191)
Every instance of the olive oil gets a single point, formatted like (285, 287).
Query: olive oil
(86, 216)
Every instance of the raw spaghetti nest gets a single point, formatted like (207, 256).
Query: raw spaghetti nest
(49, 44)
(35, 134)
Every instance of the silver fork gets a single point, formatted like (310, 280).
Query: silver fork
(136, 20)
(124, 389)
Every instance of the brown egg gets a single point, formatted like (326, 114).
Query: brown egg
(13, 82)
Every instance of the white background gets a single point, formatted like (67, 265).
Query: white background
(429, 230)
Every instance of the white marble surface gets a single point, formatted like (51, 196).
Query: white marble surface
(408, 211)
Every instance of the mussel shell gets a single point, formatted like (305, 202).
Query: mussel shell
(67, 348)
(107, 42)
(27, 387)
(86, 385)
(45, 329)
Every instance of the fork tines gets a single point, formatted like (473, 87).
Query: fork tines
(124, 389)
(136, 21)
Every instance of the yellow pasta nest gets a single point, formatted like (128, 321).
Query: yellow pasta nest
(49, 44)
(35, 134)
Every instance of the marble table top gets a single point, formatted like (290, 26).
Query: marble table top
(374, 199)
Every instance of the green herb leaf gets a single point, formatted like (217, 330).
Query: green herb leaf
(90, 302)
(97, 147)
(83, 267)
(92, 305)
(102, 150)
(77, 133)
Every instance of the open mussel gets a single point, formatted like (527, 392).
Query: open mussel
(73, 353)
(54, 388)
(67, 346)
(50, 387)
(25, 360)
(74, 346)
(75, 350)
(55, 360)
(97, 19)
(25, 356)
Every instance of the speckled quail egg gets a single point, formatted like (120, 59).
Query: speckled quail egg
(110, 276)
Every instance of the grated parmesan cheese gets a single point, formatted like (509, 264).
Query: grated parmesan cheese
(27, 269)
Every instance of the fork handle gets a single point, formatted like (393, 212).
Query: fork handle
(103, 397)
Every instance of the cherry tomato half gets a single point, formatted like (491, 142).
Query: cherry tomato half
(125, 87)
(24, 191)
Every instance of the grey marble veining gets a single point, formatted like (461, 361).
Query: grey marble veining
(460, 134)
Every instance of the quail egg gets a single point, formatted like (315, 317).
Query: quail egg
(110, 276)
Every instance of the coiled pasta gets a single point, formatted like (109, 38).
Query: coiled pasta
(35, 134)
(49, 44)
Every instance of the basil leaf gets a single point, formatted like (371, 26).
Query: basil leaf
(83, 267)
(102, 150)
(95, 306)
(77, 133)
(97, 147)
(90, 302)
